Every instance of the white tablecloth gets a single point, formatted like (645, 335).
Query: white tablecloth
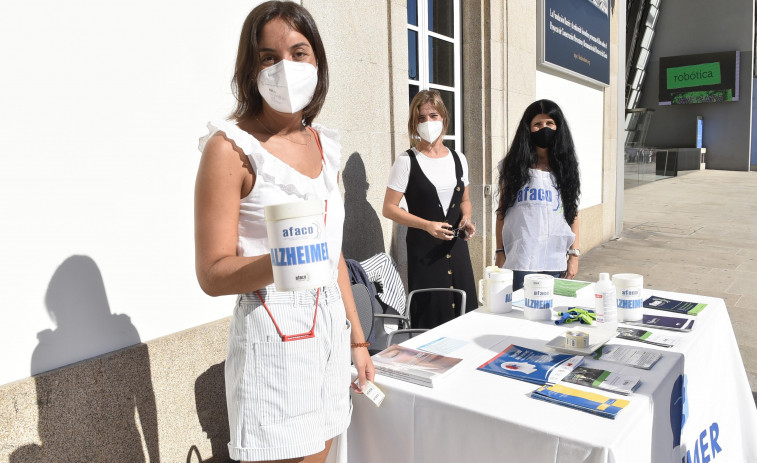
(477, 416)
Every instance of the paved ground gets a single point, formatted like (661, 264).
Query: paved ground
(696, 233)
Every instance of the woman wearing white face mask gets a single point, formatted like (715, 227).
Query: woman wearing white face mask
(434, 183)
(287, 388)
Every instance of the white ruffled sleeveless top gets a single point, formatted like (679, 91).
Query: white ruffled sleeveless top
(276, 182)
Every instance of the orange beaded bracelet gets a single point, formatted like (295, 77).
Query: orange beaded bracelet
(360, 344)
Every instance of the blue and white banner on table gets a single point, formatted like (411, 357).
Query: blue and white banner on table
(710, 430)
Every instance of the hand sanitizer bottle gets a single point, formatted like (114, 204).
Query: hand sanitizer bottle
(606, 305)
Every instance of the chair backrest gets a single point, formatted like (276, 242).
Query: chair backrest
(389, 293)
(359, 276)
(364, 305)
(463, 296)
(374, 328)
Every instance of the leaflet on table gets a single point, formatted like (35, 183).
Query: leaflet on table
(414, 366)
(603, 379)
(372, 392)
(571, 288)
(531, 365)
(581, 400)
(666, 323)
(632, 356)
(673, 305)
(648, 337)
(443, 345)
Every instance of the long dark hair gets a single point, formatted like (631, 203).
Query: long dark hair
(513, 169)
(245, 81)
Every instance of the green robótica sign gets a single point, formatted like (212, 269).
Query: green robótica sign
(694, 76)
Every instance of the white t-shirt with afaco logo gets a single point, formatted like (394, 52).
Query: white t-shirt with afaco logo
(535, 234)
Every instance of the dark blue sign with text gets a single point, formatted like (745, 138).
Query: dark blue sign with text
(576, 36)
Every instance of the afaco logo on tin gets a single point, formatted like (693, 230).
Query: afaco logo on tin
(312, 231)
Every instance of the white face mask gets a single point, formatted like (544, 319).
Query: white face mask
(288, 86)
(430, 130)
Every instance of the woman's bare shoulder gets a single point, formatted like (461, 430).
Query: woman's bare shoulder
(220, 152)
(219, 145)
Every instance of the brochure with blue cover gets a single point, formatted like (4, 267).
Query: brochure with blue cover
(531, 365)
(667, 323)
(581, 400)
(673, 305)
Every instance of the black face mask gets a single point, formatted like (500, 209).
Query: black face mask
(544, 137)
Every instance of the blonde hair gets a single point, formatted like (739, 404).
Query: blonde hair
(421, 98)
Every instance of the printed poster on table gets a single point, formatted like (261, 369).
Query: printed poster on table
(531, 365)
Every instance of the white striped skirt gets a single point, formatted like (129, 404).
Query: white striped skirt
(286, 399)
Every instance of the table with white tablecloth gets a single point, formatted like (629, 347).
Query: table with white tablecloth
(693, 405)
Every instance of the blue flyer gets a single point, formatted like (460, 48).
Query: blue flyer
(581, 400)
(531, 365)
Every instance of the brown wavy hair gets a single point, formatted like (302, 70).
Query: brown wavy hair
(244, 83)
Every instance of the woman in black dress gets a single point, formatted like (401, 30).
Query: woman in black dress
(434, 182)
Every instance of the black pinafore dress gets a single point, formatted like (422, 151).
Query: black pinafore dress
(435, 263)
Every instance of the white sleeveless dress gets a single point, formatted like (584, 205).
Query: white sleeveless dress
(285, 399)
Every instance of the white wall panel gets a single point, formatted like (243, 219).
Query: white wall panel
(583, 107)
(102, 107)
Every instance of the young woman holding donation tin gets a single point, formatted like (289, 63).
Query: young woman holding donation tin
(434, 181)
(539, 187)
(288, 364)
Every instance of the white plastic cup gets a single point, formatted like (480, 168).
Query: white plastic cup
(299, 249)
(538, 291)
(628, 288)
(495, 292)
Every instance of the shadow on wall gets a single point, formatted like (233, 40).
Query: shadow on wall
(100, 410)
(363, 236)
(210, 398)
